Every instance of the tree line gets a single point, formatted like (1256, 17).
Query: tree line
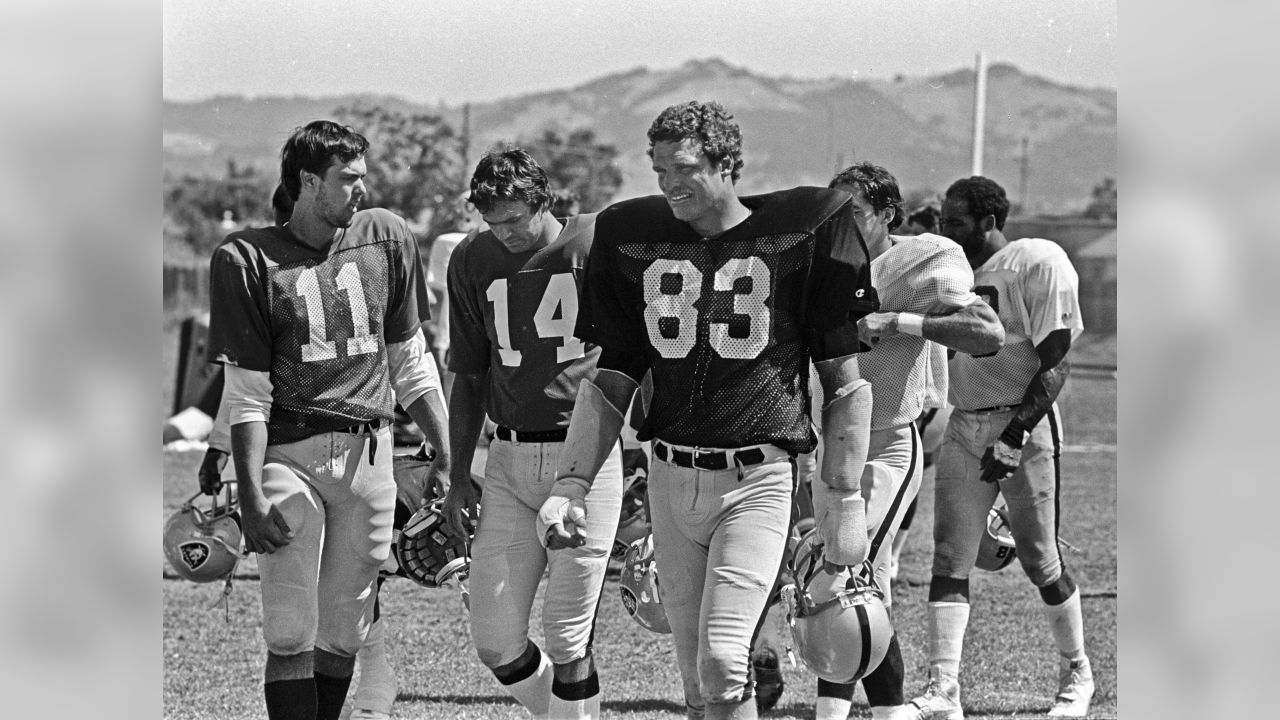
(417, 169)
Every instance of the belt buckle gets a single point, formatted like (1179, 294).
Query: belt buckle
(702, 459)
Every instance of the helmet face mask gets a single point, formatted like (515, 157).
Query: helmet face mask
(429, 551)
(997, 548)
(640, 588)
(204, 545)
(839, 623)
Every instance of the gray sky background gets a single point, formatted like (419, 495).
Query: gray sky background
(475, 50)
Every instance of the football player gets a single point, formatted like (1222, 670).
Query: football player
(375, 692)
(724, 299)
(513, 297)
(926, 302)
(317, 327)
(1005, 435)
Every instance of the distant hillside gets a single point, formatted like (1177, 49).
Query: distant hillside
(795, 130)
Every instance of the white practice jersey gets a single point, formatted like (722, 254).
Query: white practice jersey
(925, 274)
(1034, 289)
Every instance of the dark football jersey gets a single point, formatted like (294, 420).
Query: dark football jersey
(727, 324)
(513, 315)
(318, 321)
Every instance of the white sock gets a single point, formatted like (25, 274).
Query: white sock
(376, 688)
(1067, 625)
(832, 708)
(947, 623)
(584, 709)
(534, 692)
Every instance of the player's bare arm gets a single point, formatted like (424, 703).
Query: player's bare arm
(429, 413)
(1003, 458)
(415, 380)
(598, 414)
(974, 329)
(466, 420)
(846, 427)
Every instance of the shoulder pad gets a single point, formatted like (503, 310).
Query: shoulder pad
(800, 209)
(640, 220)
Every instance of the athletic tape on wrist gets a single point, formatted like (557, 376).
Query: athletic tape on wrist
(911, 324)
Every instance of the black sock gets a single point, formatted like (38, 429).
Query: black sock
(844, 691)
(291, 699)
(331, 692)
(884, 684)
(580, 690)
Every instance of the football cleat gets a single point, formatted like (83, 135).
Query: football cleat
(640, 588)
(1075, 690)
(429, 551)
(204, 545)
(941, 700)
(839, 623)
(996, 549)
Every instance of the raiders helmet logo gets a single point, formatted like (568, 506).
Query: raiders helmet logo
(194, 554)
(629, 601)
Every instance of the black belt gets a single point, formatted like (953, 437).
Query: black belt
(531, 436)
(995, 408)
(707, 459)
(359, 428)
(372, 427)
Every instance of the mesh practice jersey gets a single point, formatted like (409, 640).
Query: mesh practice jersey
(513, 315)
(1032, 286)
(922, 274)
(726, 324)
(318, 321)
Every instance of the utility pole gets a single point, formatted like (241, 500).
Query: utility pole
(465, 142)
(979, 112)
(1024, 170)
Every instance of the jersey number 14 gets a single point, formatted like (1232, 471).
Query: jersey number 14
(555, 317)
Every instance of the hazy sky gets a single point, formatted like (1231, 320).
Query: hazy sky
(459, 50)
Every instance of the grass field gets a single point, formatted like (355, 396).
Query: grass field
(213, 667)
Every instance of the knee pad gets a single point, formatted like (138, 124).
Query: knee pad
(289, 633)
(1042, 572)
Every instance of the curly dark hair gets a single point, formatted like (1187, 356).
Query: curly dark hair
(313, 148)
(878, 185)
(927, 217)
(708, 123)
(510, 173)
(984, 197)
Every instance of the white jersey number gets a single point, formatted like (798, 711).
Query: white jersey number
(320, 347)
(677, 308)
(555, 318)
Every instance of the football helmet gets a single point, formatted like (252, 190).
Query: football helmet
(633, 518)
(429, 551)
(204, 545)
(839, 623)
(640, 588)
(996, 549)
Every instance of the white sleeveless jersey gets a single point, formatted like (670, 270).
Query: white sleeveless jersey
(925, 274)
(1032, 286)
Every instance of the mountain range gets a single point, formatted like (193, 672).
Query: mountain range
(795, 131)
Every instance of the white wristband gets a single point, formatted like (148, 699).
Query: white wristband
(911, 324)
